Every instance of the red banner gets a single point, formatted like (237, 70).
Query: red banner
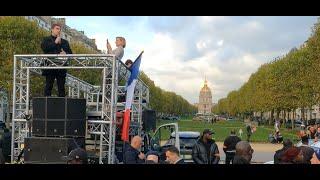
(125, 126)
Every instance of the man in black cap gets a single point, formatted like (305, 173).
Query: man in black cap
(206, 151)
(77, 156)
(152, 157)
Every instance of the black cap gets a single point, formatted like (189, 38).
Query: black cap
(207, 131)
(152, 153)
(77, 154)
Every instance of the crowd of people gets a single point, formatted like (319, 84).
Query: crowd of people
(302, 154)
(205, 151)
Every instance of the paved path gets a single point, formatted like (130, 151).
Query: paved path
(263, 152)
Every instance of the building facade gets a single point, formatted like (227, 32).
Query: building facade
(68, 33)
(42, 21)
(205, 100)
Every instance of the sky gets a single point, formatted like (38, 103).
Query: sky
(179, 52)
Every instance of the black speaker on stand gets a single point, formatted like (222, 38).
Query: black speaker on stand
(149, 120)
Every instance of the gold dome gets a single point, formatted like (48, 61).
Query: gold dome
(205, 89)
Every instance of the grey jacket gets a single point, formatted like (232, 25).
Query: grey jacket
(118, 52)
(200, 155)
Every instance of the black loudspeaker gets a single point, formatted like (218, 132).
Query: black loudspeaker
(56, 127)
(39, 108)
(39, 127)
(149, 120)
(59, 116)
(49, 150)
(56, 108)
(75, 127)
(76, 108)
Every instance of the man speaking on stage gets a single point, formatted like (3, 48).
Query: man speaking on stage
(54, 44)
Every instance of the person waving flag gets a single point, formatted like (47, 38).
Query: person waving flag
(130, 86)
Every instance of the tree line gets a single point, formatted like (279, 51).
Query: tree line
(282, 85)
(21, 36)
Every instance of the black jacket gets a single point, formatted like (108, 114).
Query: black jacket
(307, 153)
(249, 130)
(5, 143)
(240, 160)
(181, 161)
(230, 142)
(48, 46)
(278, 155)
(131, 156)
(200, 155)
(2, 159)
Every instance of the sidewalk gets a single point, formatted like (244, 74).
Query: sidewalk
(263, 152)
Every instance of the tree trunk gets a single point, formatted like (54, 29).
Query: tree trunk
(271, 119)
(292, 120)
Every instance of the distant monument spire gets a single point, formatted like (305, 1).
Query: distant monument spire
(205, 80)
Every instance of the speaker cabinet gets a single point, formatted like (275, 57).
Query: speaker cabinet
(46, 150)
(59, 117)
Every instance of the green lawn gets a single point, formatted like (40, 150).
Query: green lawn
(222, 129)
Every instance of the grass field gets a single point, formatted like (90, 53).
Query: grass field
(222, 129)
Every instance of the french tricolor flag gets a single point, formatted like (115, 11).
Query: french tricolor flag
(134, 69)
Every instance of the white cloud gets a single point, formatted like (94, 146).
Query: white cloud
(101, 40)
(220, 43)
(180, 52)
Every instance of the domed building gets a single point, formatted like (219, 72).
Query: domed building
(205, 100)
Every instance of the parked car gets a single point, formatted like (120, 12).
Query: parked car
(187, 140)
(297, 123)
(184, 141)
(231, 119)
(174, 118)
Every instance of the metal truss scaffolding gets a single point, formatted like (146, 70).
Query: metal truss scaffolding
(101, 100)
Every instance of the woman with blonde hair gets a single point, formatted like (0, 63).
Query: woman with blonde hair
(119, 51)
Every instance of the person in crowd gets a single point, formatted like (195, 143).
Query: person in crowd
(293, 155)
(5, 143)
(240, 132)
(173, 156)
(152, 157)
(229, 146)
(249, 132)
(2, 159)
(287, 143)
(278, 137)
(317, 135)
(306, 150)
(54, 44)
(277, 125)
(132, 153)
(316, 157)
(243, 153)
(128, 63)
(206, 151)
(312, 132)
(77, 156)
